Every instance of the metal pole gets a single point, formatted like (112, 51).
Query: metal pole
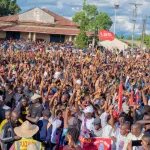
(116, 7)
(115, 22)
(134, 22)
(133, 36)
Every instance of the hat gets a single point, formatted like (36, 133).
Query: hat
(97, 121)
(26, 130)
(78, 82)
(88, 109)
(35, 96)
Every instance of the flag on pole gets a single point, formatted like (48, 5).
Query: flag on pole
(106, 35)
(131, 98)
(137, 97)
(120, 97)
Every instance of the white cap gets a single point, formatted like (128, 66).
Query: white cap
(78, 81)
(14, 72)
(88, 109)
(56, 75)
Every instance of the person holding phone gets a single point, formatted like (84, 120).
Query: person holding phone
(136, 134)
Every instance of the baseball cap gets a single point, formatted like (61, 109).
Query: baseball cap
(97, 121)
(88, 109)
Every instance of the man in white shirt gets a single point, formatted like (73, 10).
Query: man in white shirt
(121, 135)
(136, 134)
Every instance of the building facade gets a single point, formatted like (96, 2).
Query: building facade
(39, 24)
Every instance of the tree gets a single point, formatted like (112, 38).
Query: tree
(9, 7)
(89, 18)
(81, 40)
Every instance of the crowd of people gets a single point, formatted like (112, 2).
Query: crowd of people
(50, 98)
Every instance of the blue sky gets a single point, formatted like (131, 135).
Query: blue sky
(68, 8)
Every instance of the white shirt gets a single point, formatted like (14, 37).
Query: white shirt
(107, 131)
(103, 118)
(56, 124)
(120, 140)
(89, 123)
(129, 138)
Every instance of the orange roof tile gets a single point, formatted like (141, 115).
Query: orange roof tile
(42, 30)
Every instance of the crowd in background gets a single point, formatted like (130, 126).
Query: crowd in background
(52, 94)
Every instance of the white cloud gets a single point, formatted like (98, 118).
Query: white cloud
(59, 4)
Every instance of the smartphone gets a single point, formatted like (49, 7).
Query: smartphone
(136, 143)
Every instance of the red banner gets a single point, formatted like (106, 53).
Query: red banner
(95, 143)
(106, 35)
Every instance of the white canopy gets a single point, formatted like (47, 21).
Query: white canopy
(114, 44)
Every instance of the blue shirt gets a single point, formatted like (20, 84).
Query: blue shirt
(44, 134)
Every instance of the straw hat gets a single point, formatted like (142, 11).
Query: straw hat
(35, 96)
(26, 130)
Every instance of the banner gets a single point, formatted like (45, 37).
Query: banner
(106, 35)
(95, 143)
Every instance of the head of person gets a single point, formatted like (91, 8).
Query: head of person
(24, 101)
(35, 98)
(14, 117)
(146, 142)
(9, 87)
(65, 98)
(136, 129)
(147, 117)
(26, 130)
(8, 114)
(19, 90)
(59, 114)
(97, 123)
(125, 128)
(122, 118)
(88, 112)
(73, 134)
(46, 114)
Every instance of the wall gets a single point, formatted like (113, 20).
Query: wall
(66, 38)
(2, 34)
(36, 14)
(69, 38)
(46, 37)
(24, 35)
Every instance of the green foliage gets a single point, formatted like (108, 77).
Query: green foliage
(120, 37)
(8, 7)
(89, 18)
(129, 38)
(81, 40)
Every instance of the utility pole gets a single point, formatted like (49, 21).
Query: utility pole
(134, 21)
(143, 33)
(116, 7)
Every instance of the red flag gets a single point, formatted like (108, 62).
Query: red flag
(106, 35)
(120, 97)
(137, 97)
(131, 98)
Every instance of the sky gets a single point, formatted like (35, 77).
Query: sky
(124, 24)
